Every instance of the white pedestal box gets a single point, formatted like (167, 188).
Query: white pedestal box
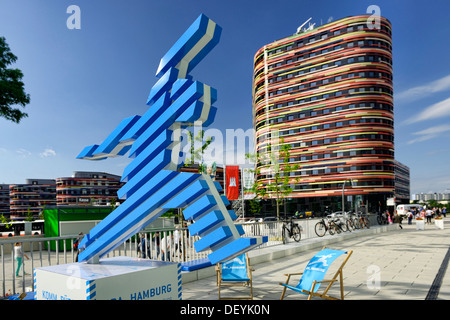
(118, 278)
(439, 223)
(420, 224)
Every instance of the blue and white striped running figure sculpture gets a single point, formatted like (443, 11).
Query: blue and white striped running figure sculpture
(153, 184)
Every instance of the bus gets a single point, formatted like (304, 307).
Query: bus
(17, 228)
(402, 209)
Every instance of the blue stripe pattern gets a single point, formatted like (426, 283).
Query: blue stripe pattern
(153, 182)
(90, 290)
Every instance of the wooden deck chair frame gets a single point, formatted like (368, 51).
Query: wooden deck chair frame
(330, 282)
(246, 283)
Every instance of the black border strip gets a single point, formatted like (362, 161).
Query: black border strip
(433, 293)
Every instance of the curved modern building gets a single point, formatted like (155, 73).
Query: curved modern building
(328, 93)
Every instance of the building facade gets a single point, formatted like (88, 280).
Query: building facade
(30, 198)
(438, 196)
(4, 200)
(87, 189)
(402, 183)
(328, 93)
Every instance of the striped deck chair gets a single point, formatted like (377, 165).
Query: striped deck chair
(235, 272)
(313, 276)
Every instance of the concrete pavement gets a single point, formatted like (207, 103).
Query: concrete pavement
(388, 263)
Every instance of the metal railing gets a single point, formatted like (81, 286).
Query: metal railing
(148, 244)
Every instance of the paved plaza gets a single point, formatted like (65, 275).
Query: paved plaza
(388, 263)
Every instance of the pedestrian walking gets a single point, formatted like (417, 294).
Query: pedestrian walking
(76, 245)
(398, 219)
(18, 255)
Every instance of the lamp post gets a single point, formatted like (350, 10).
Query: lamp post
(343, 187)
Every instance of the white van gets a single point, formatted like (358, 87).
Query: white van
(402, 209)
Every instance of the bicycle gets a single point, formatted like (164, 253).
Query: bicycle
(363, 222)
(292, 230)
(382, 219)
(339, 221)
(323, 226)
(350, 222)
(340, 225)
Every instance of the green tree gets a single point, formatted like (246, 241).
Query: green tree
(5, 221)
(197, 154)
(11, 86)
(275, 165)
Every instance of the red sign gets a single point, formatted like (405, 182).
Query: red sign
(232, 182)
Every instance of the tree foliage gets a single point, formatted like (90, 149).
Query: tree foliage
(197, 147)
(12, 91)
(275, 165)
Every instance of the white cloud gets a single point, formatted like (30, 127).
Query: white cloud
(429, 133)
(47, 153)
(415, 93)
(435, 111)
(23, 153)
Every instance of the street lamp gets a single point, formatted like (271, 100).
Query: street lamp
(343, 187)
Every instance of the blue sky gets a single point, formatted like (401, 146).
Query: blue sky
(84, 82)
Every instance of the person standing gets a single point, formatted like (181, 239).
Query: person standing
(428, 214)
(410, 216)
(156, 241)
(18, 254)
(166, 245)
